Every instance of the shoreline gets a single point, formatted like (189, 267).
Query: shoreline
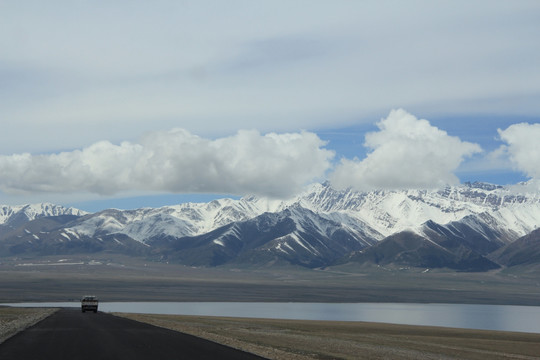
(478, 316)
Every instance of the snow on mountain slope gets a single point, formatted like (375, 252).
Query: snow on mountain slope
(22, 213)
(294, 235)
(314, 229)
(390, 212)
(377, 214)
(317, 239)
(520, 217)
(188, 219)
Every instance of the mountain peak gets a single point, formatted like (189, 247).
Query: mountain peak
(10, 215)
(482, 185)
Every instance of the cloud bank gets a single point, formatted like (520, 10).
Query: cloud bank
(177, 161)
(522, 147)
(406, 153)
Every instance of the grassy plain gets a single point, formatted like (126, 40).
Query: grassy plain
(128, 279)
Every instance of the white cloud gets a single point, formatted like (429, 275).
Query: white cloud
(405, 153)
(523, 147)
(176, 161)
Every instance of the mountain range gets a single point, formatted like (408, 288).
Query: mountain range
(470, 227)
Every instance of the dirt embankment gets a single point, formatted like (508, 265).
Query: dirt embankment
(294, 340)
(13, 320)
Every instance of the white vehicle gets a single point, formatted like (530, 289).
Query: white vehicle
(90, 303)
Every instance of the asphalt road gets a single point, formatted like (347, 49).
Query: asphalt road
(70, 334)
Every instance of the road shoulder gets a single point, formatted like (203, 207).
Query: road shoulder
(14, 320)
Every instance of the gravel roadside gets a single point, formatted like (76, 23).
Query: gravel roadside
(14, 320)
(299, 340)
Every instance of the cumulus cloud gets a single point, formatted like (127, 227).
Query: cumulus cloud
(406, 152)
(177, 161)
(522, 147)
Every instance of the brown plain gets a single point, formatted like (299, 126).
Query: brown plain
(294, 339)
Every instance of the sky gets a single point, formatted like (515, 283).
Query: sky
(131, 103)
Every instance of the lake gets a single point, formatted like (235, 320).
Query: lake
(487, 317)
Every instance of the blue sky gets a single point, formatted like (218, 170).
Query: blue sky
(131, 104)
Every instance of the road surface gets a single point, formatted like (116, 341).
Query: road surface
(70, 334)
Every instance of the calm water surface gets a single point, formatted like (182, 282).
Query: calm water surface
(488, 317)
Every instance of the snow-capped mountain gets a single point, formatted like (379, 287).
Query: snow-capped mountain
(189, 219)
(390, 212)
(14, 215)
(385, 212)
(461, 224)
(294, 235)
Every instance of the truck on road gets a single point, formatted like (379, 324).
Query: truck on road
(89, 303)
